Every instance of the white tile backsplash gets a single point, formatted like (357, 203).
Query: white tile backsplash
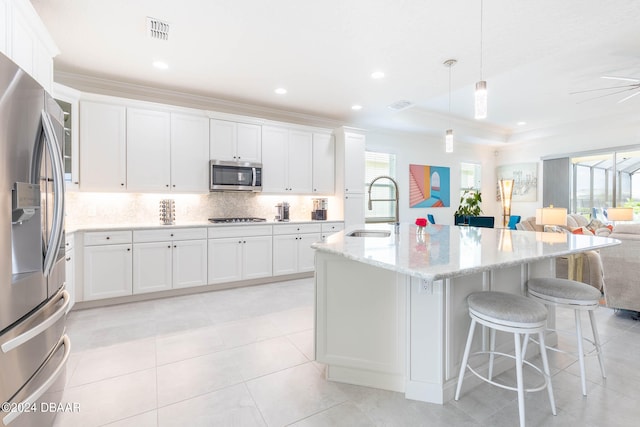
(87, 209)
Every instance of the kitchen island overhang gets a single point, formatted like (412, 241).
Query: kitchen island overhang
(391, 311)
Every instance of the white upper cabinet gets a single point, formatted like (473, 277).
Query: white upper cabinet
(233, 141)
(286, 160)
(4, 26)
(148, 150)
(189, 153)
(25, 40)
(354, 163)
(103, 155)
(274, 159)
(300, 155)
(324, 148)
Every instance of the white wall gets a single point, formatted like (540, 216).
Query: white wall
(426, 150)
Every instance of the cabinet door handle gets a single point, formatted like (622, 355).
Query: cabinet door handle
(122, 184)
(108, 237)
(169, 246)
(175, 246)
(68, 258)
(128, 249)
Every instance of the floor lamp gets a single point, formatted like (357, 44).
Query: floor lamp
(506, 191)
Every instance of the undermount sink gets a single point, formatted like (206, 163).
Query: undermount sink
(369, 233)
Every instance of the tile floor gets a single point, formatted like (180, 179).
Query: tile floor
(244, 357)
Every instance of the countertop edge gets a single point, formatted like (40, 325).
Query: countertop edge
(143, 226)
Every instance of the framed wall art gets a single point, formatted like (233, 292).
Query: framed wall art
(429, 186)
(525, 181)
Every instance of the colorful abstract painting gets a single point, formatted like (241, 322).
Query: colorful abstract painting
(429, 186)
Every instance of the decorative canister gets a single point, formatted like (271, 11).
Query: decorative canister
(167, 212)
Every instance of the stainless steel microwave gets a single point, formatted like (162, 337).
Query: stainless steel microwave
(235, 176)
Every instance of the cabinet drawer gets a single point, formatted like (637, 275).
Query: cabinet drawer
(107, 237)
(161, 235)
(332, 227)
(240, 231)
(296, 228)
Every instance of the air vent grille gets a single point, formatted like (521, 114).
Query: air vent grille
(157, 29)
(400, 105)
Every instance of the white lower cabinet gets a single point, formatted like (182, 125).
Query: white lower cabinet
(189, 263)
(292, 252)
(329, 228)
(70, 269)
(354, 209)
(167, 259)
(107, 264)
(239, 253)
(151, 267)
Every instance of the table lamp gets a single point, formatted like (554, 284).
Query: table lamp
(620, 214)
(551, 216)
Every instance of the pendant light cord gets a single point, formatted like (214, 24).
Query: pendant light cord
(450, 89)
(481, 16)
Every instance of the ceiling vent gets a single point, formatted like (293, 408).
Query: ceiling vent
(400, 105)
(157, 29)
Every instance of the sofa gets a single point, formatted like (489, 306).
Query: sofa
(614, 270)
(621, 266)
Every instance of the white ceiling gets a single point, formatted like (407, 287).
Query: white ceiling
(323, 52)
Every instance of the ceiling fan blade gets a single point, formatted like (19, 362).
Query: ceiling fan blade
(629, 97)
(602, 88)
(602, 96)
(627, 79)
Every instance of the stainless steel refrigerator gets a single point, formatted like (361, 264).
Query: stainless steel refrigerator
(33, 303)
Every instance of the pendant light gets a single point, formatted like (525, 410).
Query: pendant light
(448, 136)
(481, 86)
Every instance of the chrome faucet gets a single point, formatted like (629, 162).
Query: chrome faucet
(395, 184)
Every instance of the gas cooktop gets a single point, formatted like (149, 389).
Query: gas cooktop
(247, 219)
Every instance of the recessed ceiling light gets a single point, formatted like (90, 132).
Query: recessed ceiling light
(377, 75)
(521, 123)
(161, 65)
(356, 107)
(280, 91)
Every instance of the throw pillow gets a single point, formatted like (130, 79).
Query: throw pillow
(583, 230)
(595, 224)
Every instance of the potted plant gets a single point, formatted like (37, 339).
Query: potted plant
(469, 206)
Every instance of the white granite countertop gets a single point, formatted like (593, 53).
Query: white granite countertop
(447, 251)
(149, 226)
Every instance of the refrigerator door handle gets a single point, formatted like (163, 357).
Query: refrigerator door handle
(58, 192)
(31, 333)
(33, 397)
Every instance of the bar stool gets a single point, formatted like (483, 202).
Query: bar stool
(519, 315)
(579, 297)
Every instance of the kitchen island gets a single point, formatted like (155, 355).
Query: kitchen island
(391, 308)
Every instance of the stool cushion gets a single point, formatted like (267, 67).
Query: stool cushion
(564, 289)
(507, 307)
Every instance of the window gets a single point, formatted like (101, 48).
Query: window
(604, 180)
(377, 164)
(470, 174)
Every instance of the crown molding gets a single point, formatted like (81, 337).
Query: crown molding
(104, 86)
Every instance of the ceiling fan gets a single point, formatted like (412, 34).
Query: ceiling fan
(633, 86)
